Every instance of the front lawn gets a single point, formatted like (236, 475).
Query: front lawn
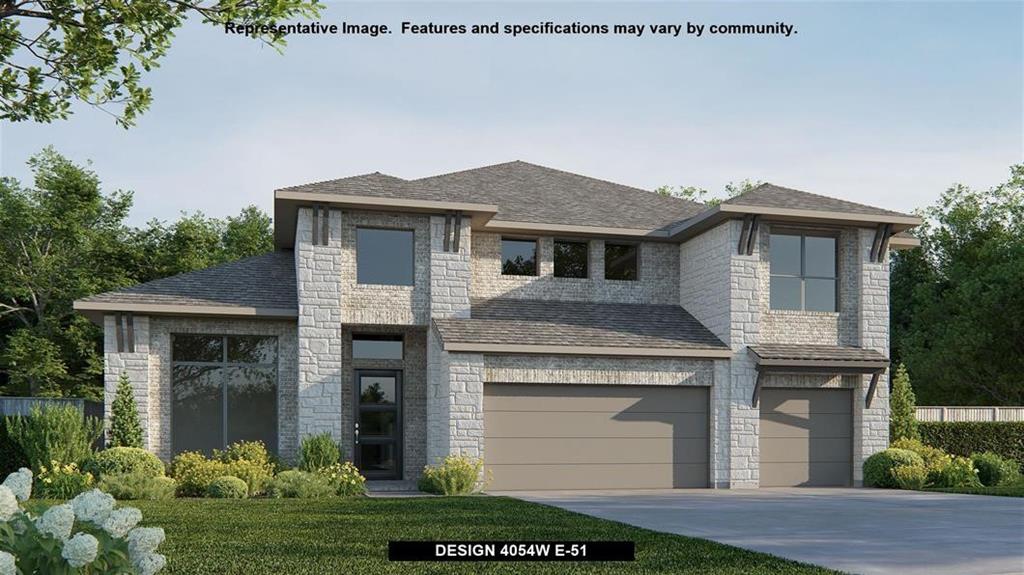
(330, 536)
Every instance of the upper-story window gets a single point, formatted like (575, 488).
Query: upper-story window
(518, 257)
(384, 257)
(571, 259)
(620, 261)
(377, 346)
(803, 272)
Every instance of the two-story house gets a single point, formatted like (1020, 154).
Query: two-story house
(572, 332)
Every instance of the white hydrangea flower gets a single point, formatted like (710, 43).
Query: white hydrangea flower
(20, 482)
(93, 506)
(80, 550)
(121, 521)
(57, 521)
(143, 541)
(150, 564)
(8, 504)
(7, 564)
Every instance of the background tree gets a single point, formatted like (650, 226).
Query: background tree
(958, 302)
(700, 195)
(125, 429)
(902, 407)
(59, 51)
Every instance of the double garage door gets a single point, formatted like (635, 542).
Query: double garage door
(595, 436)
(638, 437)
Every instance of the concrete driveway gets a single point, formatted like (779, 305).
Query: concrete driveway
(870, 531)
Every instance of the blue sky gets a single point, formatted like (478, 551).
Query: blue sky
(881, 103)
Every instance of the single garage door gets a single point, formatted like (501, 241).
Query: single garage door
(595, 436)
(806, 437)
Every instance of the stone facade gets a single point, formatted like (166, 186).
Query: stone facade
(136, 367)
(871, 426)
(596, 370)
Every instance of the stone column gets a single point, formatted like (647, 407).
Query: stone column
(136, 366)
(871, 426)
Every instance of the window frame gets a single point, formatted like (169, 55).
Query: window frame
(536, 255)
(223, 364)
(412, 253)
(399, 337)
(634, 244)
(803, 234)
(554, 256)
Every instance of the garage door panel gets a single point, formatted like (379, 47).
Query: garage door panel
(590, 424)
(806, 401)
(527, 397)
(821, 425)
(597, 476)
(803, 475)
(596, 451)
(798, 450)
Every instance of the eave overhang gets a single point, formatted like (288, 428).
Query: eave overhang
(96, 310)
(622, 351)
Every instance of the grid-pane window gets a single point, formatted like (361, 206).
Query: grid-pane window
(620, 261)
(803, 272)
(224, 389)
(571, 259)
(384, 257)
(518, 257)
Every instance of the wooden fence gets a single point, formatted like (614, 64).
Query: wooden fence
(948, 413)
(24, 405)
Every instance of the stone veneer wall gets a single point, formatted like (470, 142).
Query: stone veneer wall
(597, 370)
(370, 304)
(658, 282)
(871, 426)
(136, 367)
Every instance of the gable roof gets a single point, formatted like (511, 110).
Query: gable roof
(772, 196)
(262, 285)
(545, 326)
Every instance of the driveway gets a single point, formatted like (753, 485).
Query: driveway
(870, 531)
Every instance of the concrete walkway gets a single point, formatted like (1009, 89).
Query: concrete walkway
(869, 531)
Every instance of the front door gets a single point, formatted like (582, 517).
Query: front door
(378, 423)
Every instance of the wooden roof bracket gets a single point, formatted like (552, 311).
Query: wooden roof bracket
(871, 388)
(447, 231)
(757, 388)
(748, 235)
(881, 242)
(458, 231)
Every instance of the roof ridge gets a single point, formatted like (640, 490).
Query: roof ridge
(464, 170)
(815, 195)
(377, 173)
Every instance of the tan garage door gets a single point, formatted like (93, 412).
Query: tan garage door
(595, 436)
(806, 437)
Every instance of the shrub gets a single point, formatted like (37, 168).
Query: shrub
(912, 477)
(935, 460)
(55, 433)
(137, 486)
(227, 487)
(194, 473)
(456, 475)
(878, 468)
(12, 457)
(319, 451)
(902, 407)
(121, 460)
(248, 461)
(60, 481)
(251, 451)
(1005, 438)
(345, 478)
(125, 429)
(299, 484)
(994, 470)
(959, 473)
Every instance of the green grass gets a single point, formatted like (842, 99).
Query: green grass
(1015, 489)
(282, 536)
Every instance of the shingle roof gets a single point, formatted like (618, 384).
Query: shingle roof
(803, 352)
(536, 322)
(264, 281)
(772, 196)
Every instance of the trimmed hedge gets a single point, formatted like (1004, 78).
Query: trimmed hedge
(969, 437)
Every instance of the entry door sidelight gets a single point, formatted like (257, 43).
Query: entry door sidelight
(378, 423)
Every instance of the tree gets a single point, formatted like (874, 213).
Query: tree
(59, 51)
(902, 407)
(958, 316)
(125, 429)
(701, 195)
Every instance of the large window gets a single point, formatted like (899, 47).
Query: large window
(384, 257)
(571, 259)
(518, 257)
(803, 272)
(224, 390)
(620, 261)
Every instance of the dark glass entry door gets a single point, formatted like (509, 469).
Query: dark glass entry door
(378, 423)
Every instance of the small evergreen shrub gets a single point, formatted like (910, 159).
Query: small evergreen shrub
(319, 451)
(194, 473)
(902, 407)
(62, 481)
(994, 470)
(345, 478)
(227, 487)
(456, 475)
(137, 486)
(125, 429)
(878, 468)
(913, 477)
(935, 460)
(55, 433)
(122, 460)
(959, 473)
(300, 484)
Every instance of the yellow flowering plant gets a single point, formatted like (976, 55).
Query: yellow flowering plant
(62, 481)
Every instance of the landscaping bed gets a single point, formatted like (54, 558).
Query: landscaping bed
(350, 535)
(1013, 490)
